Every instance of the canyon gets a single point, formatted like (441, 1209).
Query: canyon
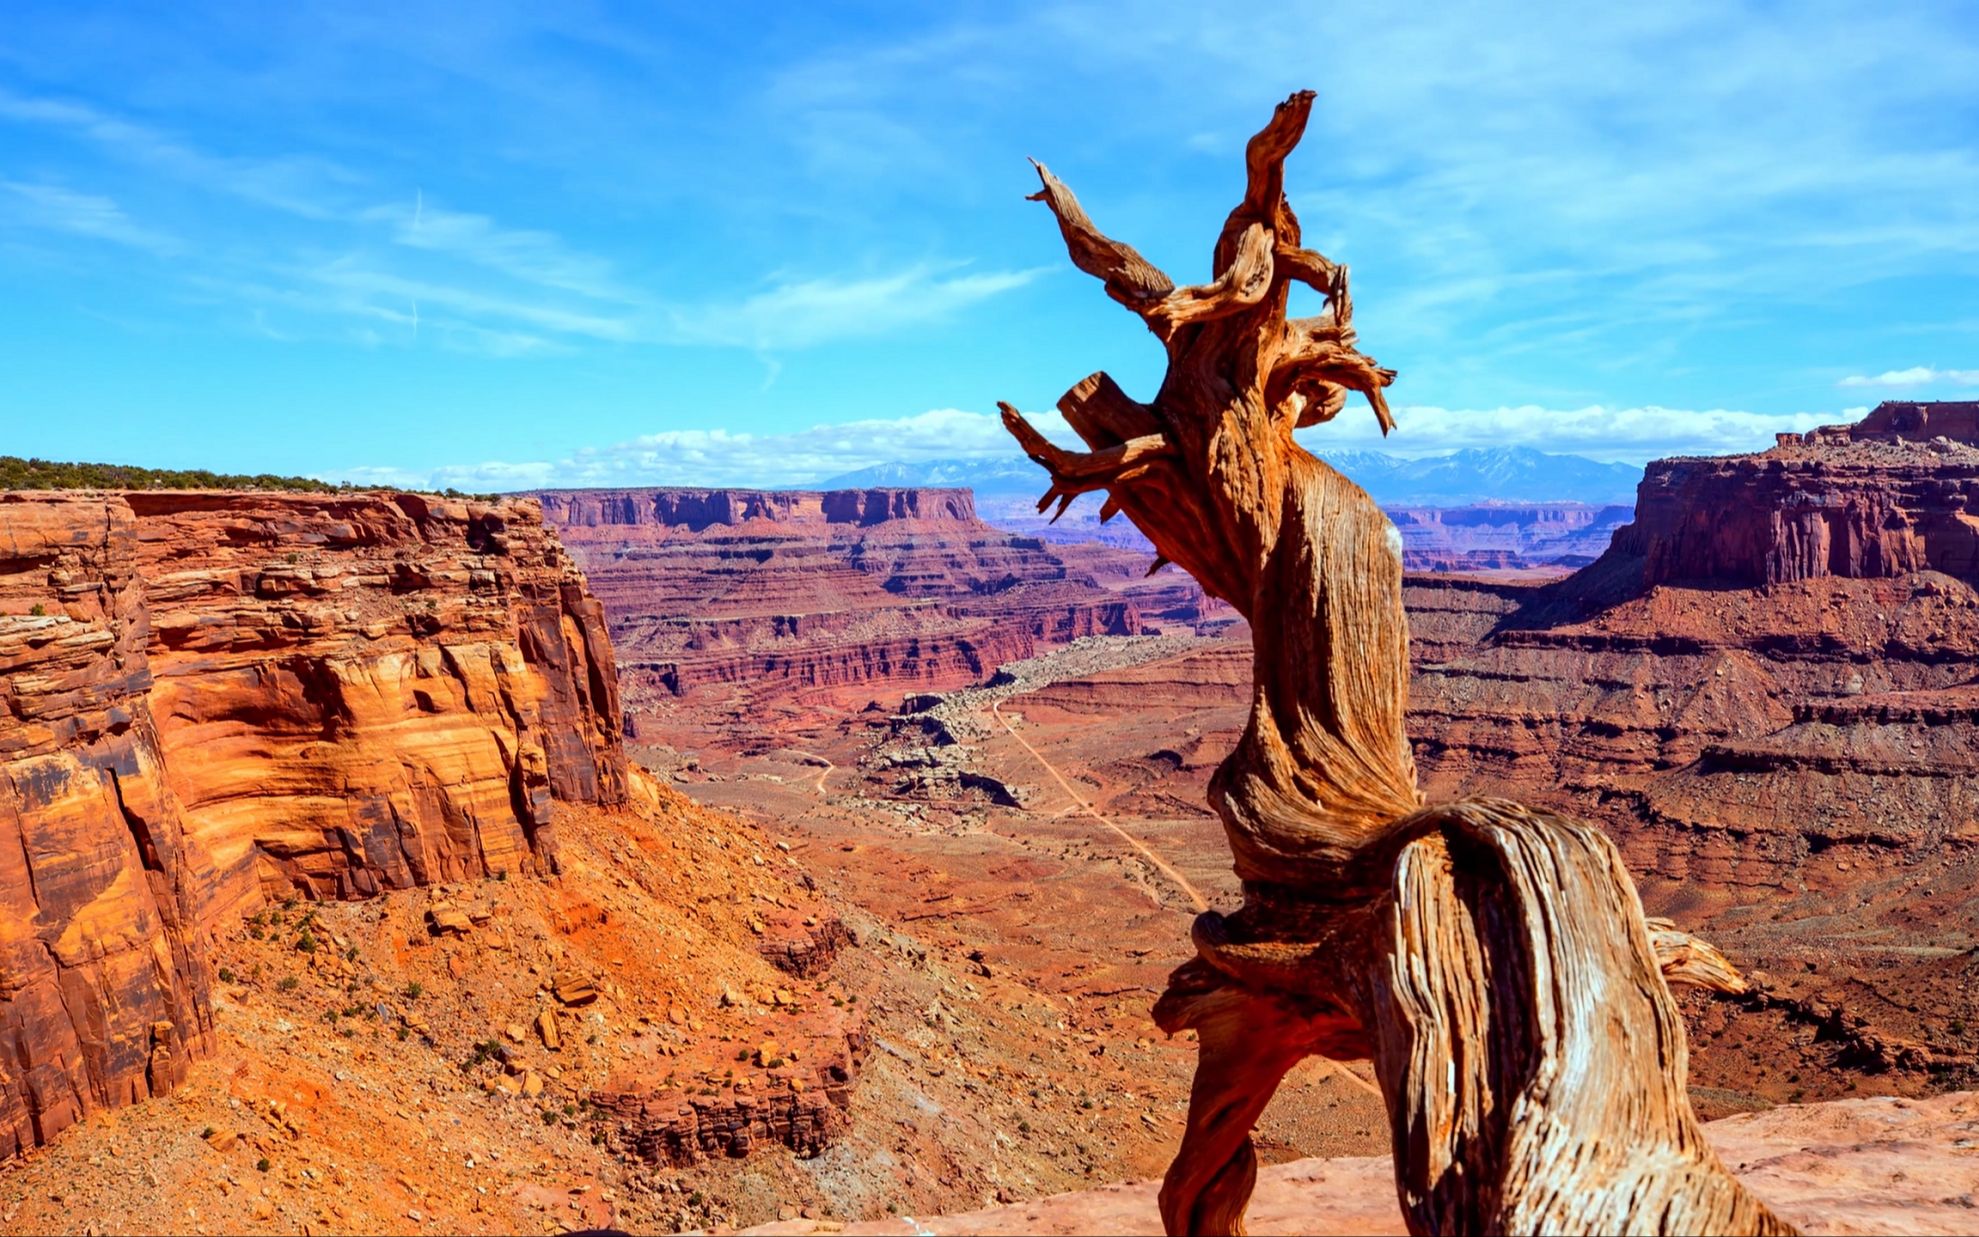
(1497, 538)
(215, 699)
(216, 705)
(639, 833)
(1763, 690)
(747, 601)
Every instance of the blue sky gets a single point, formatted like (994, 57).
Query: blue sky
(505, 245)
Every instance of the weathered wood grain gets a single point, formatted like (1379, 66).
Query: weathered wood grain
(1492, 959)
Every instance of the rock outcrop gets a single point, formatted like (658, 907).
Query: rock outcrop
(210, 698)
(1505, 536)
(103, 981)
(372, 690)
(790, 593)
(1766, 682)
(796, 1099)
(1894, 494)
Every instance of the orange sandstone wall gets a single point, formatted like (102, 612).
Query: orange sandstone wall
(102, 980)
(211, 698)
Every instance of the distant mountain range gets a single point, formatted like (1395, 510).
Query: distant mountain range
(1478, 475)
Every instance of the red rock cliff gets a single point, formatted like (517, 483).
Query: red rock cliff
(764, 593)
(103, 985)
(372, 690)
(208, 698)
(695, 510)
(1766, 683)
(1896, 493)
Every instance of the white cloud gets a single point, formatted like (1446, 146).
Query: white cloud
(524, 254)
(515, 291)
(1633, 435)
(725, 457)
(366, 286)
(1915, 376)
(83, 214)
(800, 313)
(491, 476)
(300, 185)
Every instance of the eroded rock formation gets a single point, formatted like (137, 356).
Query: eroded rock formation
(768, 594)
(797, 1101)
(103, 982)
(1505, 536)
(1894, 494)
(1768, 679)
(206, 699)
(380, 690)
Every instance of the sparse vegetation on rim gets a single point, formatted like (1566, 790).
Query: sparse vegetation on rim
(18, 473)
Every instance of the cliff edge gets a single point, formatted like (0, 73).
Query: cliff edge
(210, 700)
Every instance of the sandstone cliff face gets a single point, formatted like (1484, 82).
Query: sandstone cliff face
(1877, 499)
(356, 692)
(206, 699)
(696, 510)
(801, 594)
(103, 983)
(1765, 684)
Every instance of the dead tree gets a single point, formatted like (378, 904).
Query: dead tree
(1492, 959)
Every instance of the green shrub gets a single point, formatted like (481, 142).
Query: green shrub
(38, 610)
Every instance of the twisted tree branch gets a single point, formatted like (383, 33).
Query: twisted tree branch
(1492, 959)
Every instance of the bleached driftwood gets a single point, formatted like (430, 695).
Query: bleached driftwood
(1492, 959)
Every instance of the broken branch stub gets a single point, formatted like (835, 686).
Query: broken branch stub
(1492, 959)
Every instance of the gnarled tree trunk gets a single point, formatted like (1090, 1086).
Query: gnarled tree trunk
(1491, 958)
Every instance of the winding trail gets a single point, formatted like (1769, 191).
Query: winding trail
(824, 772)
(1166, 868)
(1340, 1068)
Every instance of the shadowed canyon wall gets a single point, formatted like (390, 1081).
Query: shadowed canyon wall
(1767, 681)
(1766, 684)
(789, 592)
(1505, 536)
(211, 698)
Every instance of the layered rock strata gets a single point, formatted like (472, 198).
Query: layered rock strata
(1767, 683)
(797, 1101)
(1476, 537)
(1895, 494)
(791, 592)
(209, 698)
(103, 981)
(372, 691)
(1505, 536)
